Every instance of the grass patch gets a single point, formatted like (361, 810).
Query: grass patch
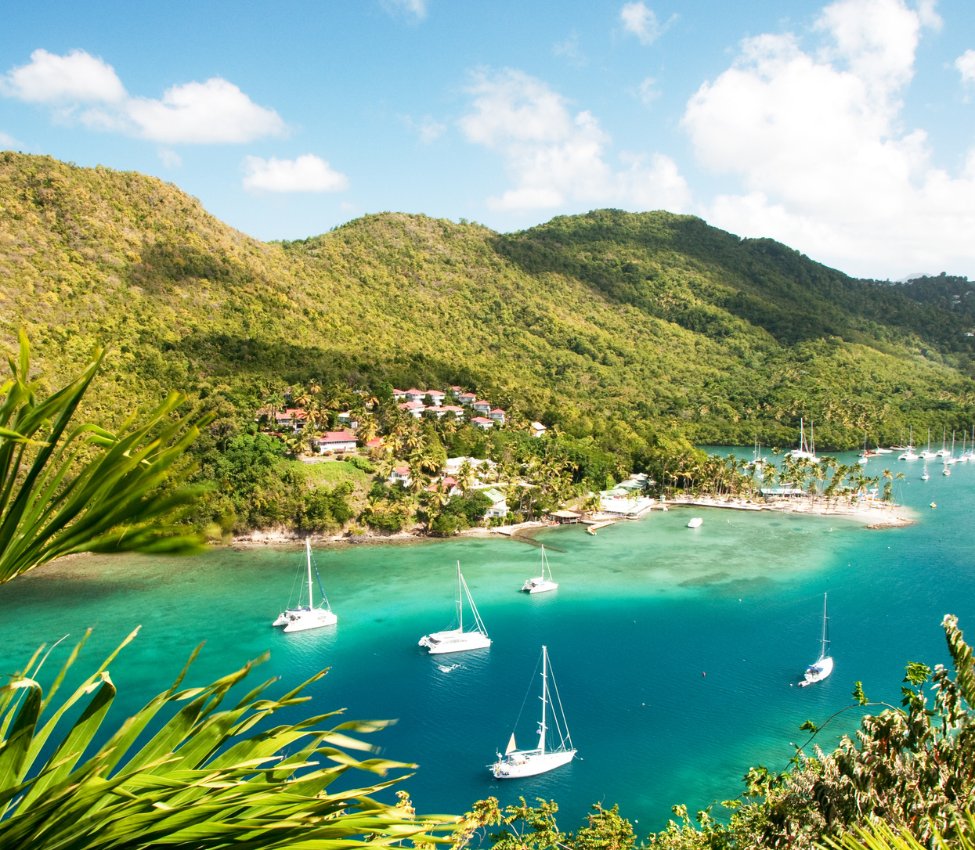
(331, 473)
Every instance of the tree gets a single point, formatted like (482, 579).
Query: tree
(187, 770)
(67, 487)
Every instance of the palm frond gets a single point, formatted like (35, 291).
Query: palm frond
(192, 768)
(67, 488)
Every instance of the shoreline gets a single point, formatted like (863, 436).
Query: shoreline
(873, 515)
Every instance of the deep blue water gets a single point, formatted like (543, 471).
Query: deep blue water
(643, 610)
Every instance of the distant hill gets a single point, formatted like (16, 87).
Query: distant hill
(590, 322)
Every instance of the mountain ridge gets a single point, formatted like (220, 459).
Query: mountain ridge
(581, 320)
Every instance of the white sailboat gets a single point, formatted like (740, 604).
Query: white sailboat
(822, 666)
(307, 616)
(806, 450)
(909, 454)
(459, 640)
(541, 583)
(516, 763)
(757, 460)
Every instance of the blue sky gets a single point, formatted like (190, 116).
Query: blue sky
(844, 129)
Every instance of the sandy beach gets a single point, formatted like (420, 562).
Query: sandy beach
(871, 514)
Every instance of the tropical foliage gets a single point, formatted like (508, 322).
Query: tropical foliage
(69, 487)
(619, 328)
(196, 767)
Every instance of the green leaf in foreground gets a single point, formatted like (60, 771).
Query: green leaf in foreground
(67, 488)
(195, 767)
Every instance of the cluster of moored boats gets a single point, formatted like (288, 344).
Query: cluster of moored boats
(554, 747)
(945, 455)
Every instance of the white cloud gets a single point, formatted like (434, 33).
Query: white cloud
(555, 158)
(570, 50)
(647, 91)
(965, 65)
(83, 88)
(816, 139)
(414, 8)
(7, 141)
(307, 173)
(203, 113)
(641, 21)
(77, 77)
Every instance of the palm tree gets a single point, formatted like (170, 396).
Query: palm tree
(67, 487)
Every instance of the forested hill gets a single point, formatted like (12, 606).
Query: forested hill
(587, 321)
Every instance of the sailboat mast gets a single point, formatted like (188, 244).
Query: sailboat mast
(542, 727)
(460, 600)
(825, 641)
(308, 560)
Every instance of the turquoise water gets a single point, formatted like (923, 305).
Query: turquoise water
(642, 611)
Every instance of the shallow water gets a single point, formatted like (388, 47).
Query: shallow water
(675, 650)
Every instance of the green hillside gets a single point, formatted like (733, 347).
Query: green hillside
(586, 321)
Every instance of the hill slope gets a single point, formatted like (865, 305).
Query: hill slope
(585, 320)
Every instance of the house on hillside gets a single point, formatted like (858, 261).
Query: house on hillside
(467, 399)
(537, 429)
(290, 419)
(335, 441)
(400, 475)
(414, 408)
(482, 422)
(481, 406)
(436, 396)
(499, 504)
(497, 415)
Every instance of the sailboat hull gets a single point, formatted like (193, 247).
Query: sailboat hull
(817, 672)
(539, 584)
(454, 640)
(302, 620)
(521, 763)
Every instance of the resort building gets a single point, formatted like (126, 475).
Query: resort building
(335, 441)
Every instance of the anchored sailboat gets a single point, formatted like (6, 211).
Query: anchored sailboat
(822, 666)
(307, 616)
(543, 582)
(458, 640)
(807, 449)
(547, 756)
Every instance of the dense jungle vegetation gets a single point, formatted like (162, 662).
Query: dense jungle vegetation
(631, 334)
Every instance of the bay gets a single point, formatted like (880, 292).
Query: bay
(676, 650)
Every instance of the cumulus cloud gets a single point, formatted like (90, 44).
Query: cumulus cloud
(85, 89)
(307, 173)
(215, 111)
(816, 138)
(77, 77)
(7, 141)
(556, 158)
(965, 65)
